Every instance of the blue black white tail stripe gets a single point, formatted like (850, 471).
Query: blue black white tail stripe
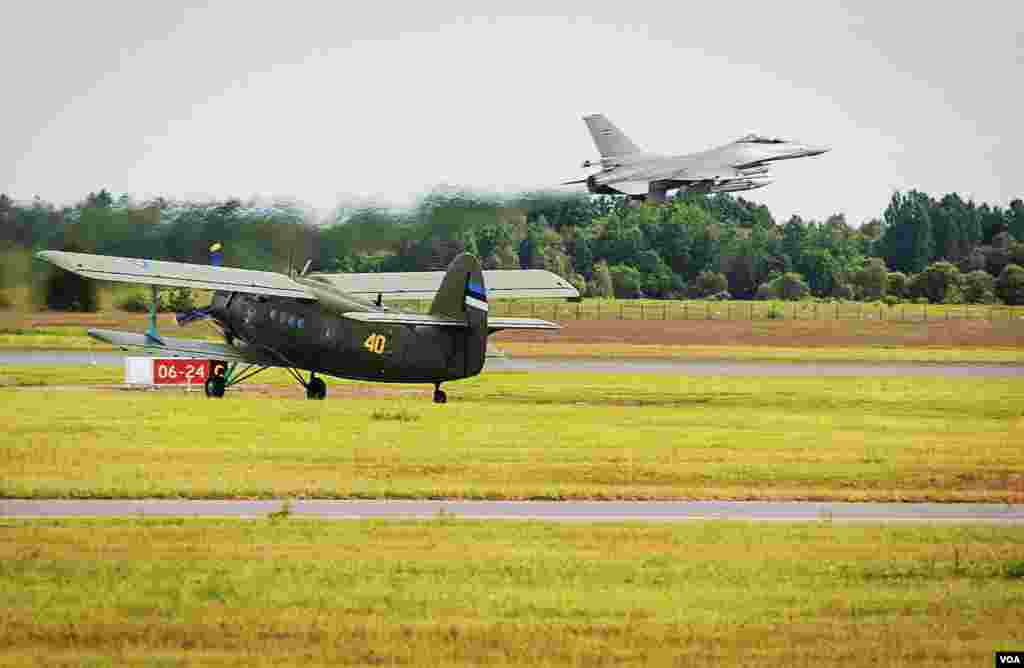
(476, 296)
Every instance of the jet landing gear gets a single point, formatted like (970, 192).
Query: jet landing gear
(439, 396)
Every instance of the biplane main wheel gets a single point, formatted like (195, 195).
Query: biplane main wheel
(440, 397)
(316, 389)
(215, 386)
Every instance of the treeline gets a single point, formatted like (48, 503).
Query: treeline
(946, 250)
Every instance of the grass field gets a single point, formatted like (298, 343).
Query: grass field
(445, 592)
(533, 436)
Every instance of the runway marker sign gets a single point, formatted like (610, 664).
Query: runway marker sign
(155, 371)
(180, 371)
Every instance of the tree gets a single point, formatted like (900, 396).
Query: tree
(794, 236)
(582, 255)
(792, 286)
(603, 280)
(626, 281)
(907, 244)
(1015, 219)
(978, 287)
(65, 291)
(896, 283)
(822, 271)
(939, 283)
(710, 283)
(1010, 285)
(100, 200)
(871, 280)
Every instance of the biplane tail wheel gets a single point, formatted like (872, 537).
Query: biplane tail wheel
(215, 386)
(439, 396)
(316, 389)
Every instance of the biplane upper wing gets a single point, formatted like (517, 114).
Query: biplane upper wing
(173, 347)
(176, 274)
(501, 284)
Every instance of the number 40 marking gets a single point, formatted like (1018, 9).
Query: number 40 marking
(375, 343)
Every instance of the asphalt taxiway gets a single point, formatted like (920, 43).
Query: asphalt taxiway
(554, 511)
(655, 366)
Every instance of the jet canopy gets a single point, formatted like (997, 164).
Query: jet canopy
(753, 138)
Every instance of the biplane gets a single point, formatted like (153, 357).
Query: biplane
(328, 324)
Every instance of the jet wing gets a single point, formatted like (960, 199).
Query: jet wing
(705, 174)
(175, 274)
(500, 283)
(172, 347)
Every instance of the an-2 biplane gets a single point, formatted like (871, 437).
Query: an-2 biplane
(329, 324)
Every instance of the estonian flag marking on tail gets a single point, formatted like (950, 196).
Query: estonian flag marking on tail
(476, 296)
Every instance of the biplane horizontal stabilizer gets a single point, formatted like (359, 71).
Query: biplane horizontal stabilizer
(386, 318)
(495, 324)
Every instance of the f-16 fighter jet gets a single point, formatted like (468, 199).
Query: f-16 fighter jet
(626, 169)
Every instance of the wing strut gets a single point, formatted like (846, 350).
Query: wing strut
(152, 334)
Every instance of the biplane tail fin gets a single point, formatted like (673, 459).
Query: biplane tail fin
(463, 296)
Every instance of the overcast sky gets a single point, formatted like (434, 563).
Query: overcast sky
(328, 102)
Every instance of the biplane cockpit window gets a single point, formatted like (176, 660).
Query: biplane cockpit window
(273, 314)
(300, 323)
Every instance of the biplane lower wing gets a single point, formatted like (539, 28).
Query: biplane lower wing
(173, 347)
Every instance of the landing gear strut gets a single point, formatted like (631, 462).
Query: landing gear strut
(439, 396)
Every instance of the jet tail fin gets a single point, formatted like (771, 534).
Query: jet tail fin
(609, 139)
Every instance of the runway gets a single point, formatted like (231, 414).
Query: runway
(673, 367)
(549, 511)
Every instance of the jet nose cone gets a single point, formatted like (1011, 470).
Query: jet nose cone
(816, 150)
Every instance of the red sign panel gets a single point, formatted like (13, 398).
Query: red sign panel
(180, 371)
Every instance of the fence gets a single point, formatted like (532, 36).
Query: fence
(749, 310)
